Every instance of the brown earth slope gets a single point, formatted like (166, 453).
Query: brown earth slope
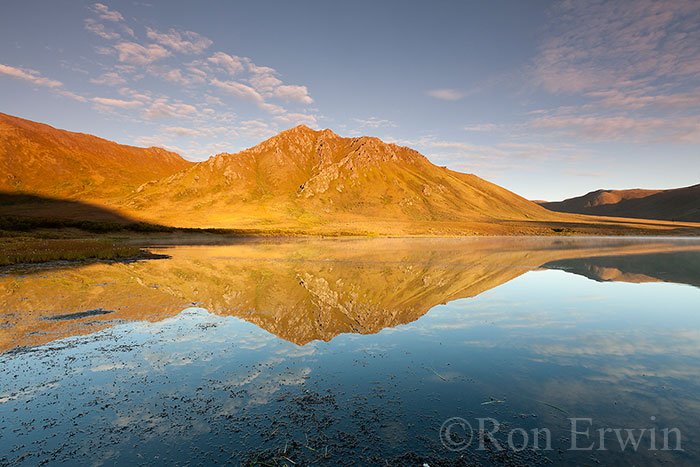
(680, 204)
(41, 160)
(305, 178)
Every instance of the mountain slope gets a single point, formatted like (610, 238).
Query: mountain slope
(306, 177)
(39, 159)
(680, 204)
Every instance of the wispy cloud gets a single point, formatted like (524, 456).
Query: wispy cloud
(103, 12)
(122, 104)
(446, 94)
(231, 64)
(622, 128)
(131, 52)
(161, 108)
(29, 75)
(186, 42)
(110, 79)
(481, 127)
(292, 119)
(599, 45)
(100, 29)
(294, 93)
(634, 69)
(374, 122)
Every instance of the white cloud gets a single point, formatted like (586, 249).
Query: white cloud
(110, 79)
(186, 42)
(446, 94)
(31, 76)
(103, 12)
(132, 52)
(293, 93)
(231, 63)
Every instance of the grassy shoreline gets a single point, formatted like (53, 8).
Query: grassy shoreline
(32, 240)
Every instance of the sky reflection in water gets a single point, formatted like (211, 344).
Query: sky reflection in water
(195, 384)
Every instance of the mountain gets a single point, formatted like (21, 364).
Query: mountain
(38, 159)
(680, 204)
(299, 181)
(305, 178)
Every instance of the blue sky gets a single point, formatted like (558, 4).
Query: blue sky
(548, 99)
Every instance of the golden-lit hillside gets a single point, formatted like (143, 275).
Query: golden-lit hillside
(303, 177)
(42, 160)
(300, 181)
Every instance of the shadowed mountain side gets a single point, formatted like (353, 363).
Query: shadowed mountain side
(677, 267)
(680, 204)
(300, 291)
(38, 159)
(26, 205)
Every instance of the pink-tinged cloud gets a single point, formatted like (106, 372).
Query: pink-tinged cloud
(293, 93)
(120, 103)
(619, 45)
(622, 128)
(230, 63)
(446, 94)
(31, 76)
(103, 12)
(186, 42)
(131, 52)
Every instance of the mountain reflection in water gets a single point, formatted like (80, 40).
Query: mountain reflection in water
(307, 290)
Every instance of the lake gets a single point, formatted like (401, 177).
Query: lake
(477, 351)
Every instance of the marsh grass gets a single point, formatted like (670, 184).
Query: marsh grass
(25, 250)
(26, 224)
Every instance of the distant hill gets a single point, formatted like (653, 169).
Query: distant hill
(303, 177)
(680, 204)
(41, 160)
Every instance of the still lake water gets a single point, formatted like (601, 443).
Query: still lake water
(357, 352)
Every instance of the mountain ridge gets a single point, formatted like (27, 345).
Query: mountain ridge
(676, 204)
(298, 182)
(36, 158)
(312, 175)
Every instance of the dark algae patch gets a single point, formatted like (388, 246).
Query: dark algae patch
(80, 314)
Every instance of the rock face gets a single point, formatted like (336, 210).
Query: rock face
(41, 160)
(680, 204)
(306, 177)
